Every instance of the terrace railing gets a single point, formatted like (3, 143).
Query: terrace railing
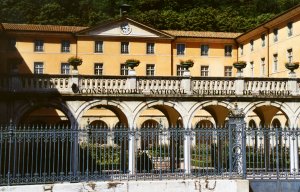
(50, 154)
(161, 86)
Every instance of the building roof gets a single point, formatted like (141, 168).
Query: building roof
(41, 28)
(203, 34)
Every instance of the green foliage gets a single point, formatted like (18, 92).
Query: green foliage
(201, 15)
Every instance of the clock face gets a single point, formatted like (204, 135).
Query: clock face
(125, 28)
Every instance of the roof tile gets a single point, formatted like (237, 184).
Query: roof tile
(203, 34)
(41, 28)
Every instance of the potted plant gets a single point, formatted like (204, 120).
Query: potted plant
(187, 64)
(292, 66)
(132, 63)
(75, 61)
(239, 65)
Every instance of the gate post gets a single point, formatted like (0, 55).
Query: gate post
(237, 143)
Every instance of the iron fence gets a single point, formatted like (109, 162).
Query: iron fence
(52, 154)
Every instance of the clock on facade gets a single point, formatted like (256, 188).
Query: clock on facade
(125, 28)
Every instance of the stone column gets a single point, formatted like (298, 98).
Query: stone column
(131, 80)
(293, 144)
(292, 83)
(74, 81)
(294, 161)
(131, 148)
(186, 82)
(239, 82)
(187, 145)
(237, 145)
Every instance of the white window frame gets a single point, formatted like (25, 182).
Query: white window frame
(38, 46)
(204, 49)
(150, 48)
(275, 62)
(65, 68)
(123, 69)
(124, 47)
(263, 40)
(252, 68)
(228, 71)
(98, 68)
(290, 55)
(290, 29)
(150, 69)
(263, 67)
(38, 67)
(251, 45)
(228, 50)
(98, 46)
(65, 46)
(241, 49)
(180, 48)
(179, 70)
(204, 70)
(275, 34)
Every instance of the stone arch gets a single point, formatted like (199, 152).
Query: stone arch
(121, 110)
(283, 107)
(204, 124)
(174, 105)
(276, 123)
(204, 104)
(23, 109)
(297, 119)
(252, 124)
(98, 124)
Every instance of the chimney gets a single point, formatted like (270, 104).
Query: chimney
(124, 9)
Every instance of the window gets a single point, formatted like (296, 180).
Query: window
(124, 47)
(275, 35)
(65, 68)
(228, 50)
(227, 71)
(252, 68)
(98, 68)
(242, 49)
(180, 70)
(275, 62)
(98, 46)
(263, 67)
(150, 69)
(251, 45)
(38, 45)
(204, 50)
(263, 40)
(290, 55)
(290, 29)
(204, 71)
(123, 69)
(180, 49)
(65, 46)
(150, 48)
(38, 67)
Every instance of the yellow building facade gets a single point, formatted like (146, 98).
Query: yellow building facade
(44, 50)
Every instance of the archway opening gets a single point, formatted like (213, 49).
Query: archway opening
(210, 142)
(161, 139)
(265, 146)
(106, 146)
(45, 116)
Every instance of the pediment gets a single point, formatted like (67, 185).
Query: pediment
(124, 28)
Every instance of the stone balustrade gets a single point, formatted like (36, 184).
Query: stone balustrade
(155, 83)
(213, 84)
(194, 86)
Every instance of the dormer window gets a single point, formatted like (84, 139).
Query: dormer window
(290, 29)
